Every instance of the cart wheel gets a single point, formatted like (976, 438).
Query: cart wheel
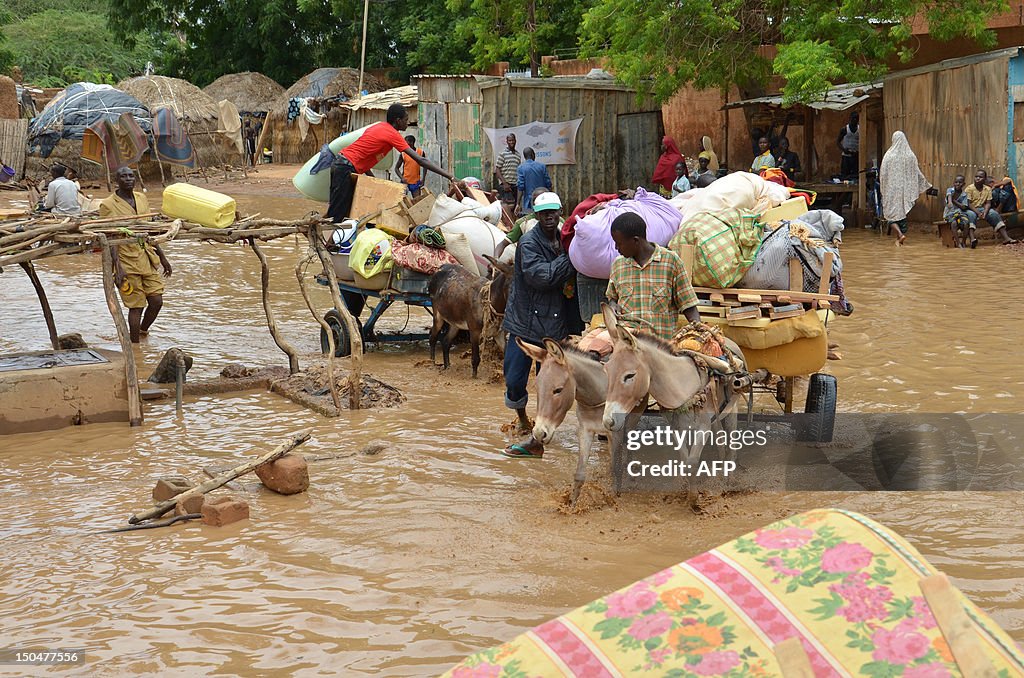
(342, 342)
(819, 419)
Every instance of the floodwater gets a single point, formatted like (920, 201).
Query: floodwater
(403, 562)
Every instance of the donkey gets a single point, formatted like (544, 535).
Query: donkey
(464, 301)
(683, 385)
(567, 375)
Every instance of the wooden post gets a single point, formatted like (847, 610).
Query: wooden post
(355, 338)
(106, 166)
(293, 357)
(51, 327)
(304, 286)
(131, 374)
(813, 167)
(859, 197)
(223, 479)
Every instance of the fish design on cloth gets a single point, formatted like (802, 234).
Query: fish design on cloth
(172, 142)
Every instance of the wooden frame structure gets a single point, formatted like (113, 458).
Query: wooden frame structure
(26, 241)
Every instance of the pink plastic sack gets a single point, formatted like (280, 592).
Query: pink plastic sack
(592, 250)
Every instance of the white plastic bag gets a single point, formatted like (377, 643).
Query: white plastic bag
(483, 237)
(445, 209)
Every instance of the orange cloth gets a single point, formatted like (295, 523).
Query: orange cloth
(376, 142)
(412, 173)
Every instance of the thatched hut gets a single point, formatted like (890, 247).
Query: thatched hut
(325, 87)
(251, 93)
(55, 135)
(195, 110)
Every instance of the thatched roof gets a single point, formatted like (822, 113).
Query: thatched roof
(325, 83)
(186, 100)
(249, 92)
(406, 95)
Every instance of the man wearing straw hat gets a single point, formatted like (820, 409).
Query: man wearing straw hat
(135, 263)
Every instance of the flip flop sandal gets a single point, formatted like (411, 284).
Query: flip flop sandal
(515, 450)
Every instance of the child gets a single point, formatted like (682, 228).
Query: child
(682, 183)
(957, 206)
(412, 173)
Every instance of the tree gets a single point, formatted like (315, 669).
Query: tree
(54, 48)
(427, 40)
(660, 47)
(518, 31)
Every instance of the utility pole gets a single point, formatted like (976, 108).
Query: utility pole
(362, 58)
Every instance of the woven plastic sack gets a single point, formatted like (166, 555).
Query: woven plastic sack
(445, 209)
(457, 244)
(371, 253)
(723, 247)
(483, 237)
(490, 213)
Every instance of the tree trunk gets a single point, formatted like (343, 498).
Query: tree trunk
(356, 370)
(304, 286)
(282, 343)
(131, 373)
(51, 327)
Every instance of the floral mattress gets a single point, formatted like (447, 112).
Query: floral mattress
(844, 585)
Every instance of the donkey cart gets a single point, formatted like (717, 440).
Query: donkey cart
(403, 286)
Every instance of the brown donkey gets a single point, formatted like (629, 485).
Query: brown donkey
(465, 301)
(566, 376)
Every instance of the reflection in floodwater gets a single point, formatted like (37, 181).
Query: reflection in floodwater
(403, 562)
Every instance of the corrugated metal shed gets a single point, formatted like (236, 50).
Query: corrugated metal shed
(839, 98)
(617, 144)
(373, 107)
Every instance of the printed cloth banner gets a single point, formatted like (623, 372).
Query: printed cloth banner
(132, 142)
(172, 142)
(553, 142)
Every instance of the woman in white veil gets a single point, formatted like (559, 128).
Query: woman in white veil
(901, 182)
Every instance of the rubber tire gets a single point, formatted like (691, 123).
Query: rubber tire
(342, 342)
(819, 420)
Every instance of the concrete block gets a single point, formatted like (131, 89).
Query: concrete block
(287, 475)
(193, 504)
(170, 486)
(224, 510)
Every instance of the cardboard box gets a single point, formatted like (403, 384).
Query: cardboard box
(373, 195)
(394, 221)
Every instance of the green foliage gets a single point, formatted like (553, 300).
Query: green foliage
(660, 47)
(517, 31)
(54, 48)
(427, 41)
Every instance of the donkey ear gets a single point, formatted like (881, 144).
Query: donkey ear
(500, 265)
(555, 351)
(535, 352)
(610, 321)
(628, 339)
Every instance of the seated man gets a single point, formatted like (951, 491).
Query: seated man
(649, 286)
(980, 197)
(61, 194)
(1004, 196)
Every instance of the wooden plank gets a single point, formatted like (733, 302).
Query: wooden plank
(741, 312)
(788, 311)
(749, 298)
(793, 660)
(767, 294)
(956, 627)
(717, 297)
(826, 274)
(796, 275)
(479, 196)
(686, 253)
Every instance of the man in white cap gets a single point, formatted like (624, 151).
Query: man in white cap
(540, 305)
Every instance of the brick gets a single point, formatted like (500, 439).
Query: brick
(170, 486)
(193, 504)
(287, 475)
(224, 510)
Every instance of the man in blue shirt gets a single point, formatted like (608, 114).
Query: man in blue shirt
(531, 175)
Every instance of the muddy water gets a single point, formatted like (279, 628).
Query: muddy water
(401, 563)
